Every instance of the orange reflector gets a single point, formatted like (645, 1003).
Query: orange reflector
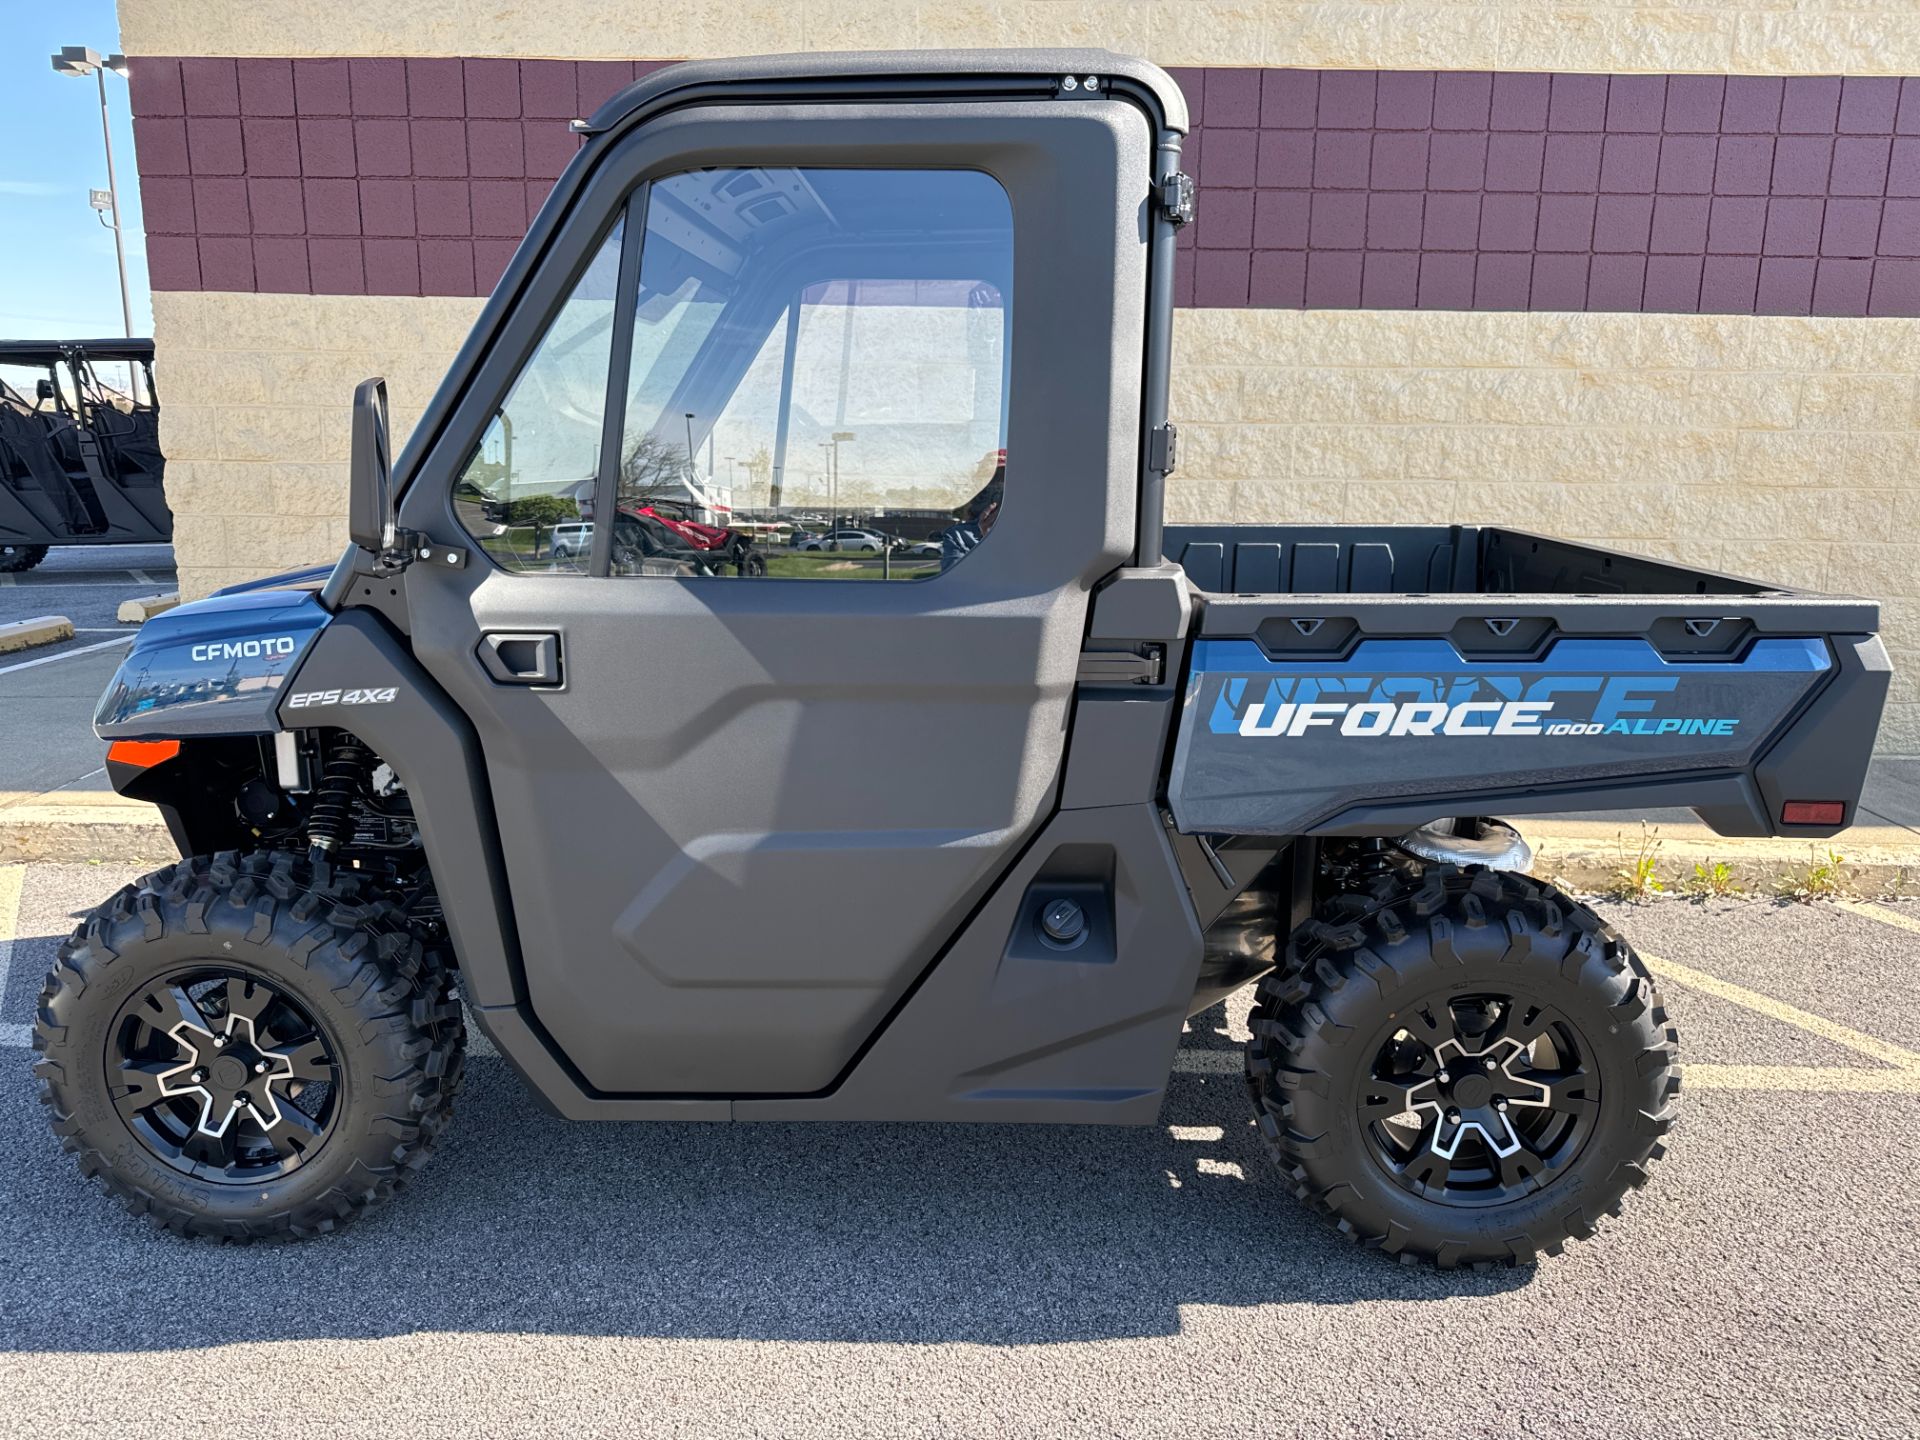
(1813, 812)
(142, 754)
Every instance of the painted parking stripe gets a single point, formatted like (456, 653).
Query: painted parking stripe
(1882, 914)
(66, 654)
(1773, 1009)
(1803, 1079)
(12, 878)
(1813, 1079)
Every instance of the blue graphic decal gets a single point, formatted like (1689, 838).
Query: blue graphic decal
(1411, 688)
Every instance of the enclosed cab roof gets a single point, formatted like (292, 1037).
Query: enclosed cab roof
(46, 352)
(1006, 71)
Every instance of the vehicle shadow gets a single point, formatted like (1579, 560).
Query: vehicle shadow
(908, 1234)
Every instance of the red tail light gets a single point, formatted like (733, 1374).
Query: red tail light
(1813, 812)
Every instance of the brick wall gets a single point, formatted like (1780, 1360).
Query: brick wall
(1479, 191)
(1335, 189)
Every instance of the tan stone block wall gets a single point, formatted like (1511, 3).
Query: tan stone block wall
(1776, 37)
(1783, 448)
(256, 394)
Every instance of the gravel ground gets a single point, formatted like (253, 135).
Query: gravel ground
(546, 1278)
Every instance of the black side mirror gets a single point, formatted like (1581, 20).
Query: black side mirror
(370, 523)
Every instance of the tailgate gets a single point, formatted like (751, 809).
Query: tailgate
(1350, 714)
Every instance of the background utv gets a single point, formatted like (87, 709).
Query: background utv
(1088, 780)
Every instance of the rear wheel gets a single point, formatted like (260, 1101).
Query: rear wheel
(1462, 1067)
(15, 558)
(244, 1046)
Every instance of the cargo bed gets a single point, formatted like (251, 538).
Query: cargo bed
(1365, 679)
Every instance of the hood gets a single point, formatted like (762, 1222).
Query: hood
(213, 667)
(311, 578)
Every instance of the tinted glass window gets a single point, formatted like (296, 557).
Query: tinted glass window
(818, 386)
(527, 489)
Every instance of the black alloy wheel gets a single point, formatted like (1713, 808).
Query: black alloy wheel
(249, 1046)
(1479, 1099)
(1462, 1067)
(222, 1076)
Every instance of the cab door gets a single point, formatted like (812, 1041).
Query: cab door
(746, 793)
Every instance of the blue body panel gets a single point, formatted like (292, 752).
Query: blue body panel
(214, 667)
(1282, 747)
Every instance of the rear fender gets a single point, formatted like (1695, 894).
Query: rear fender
(1348, 745)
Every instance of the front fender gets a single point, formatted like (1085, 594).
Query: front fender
(214, 667)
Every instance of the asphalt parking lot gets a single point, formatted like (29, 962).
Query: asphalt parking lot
(85, 583)
(45, 690)
(546, 1278)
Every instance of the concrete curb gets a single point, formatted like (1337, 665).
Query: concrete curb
(40, 630)
(82, 825)
(143, 608)
(1600, 858)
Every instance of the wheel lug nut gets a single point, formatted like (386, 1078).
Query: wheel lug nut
(197, 1076)
(1501, 1106)
(1492, 1064)
(1443, 1077)
(219, 1042)
(259, 1067)
(1453, 1117)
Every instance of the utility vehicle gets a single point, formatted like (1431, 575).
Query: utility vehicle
(78, 465)
(1088, 780)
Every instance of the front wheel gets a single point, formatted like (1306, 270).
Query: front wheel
(15, 558)
(1463, 1067)
(246, 1046)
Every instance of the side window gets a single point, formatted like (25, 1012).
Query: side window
(526, 493)
(818, 383)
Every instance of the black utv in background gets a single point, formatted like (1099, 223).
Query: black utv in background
(79, 465)
(966, 843)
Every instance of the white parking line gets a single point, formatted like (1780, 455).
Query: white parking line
(12, 877)
(1773, 1009)
(1880, 913)
(1821, 1079)
(67, 654)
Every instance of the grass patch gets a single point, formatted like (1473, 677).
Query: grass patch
(1637, 881)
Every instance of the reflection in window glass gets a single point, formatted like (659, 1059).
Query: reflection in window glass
(527, 493)
(819, 377)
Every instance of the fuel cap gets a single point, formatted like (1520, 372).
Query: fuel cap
(1063, 921)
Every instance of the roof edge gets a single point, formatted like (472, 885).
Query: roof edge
(903, 64)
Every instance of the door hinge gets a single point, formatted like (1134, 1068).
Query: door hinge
(1176, 198)
(1163, 448)
(1143, 666)
(412, 545)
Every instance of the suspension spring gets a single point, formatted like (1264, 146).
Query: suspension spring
(347, 763)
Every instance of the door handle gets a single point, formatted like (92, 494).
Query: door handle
(517, 657)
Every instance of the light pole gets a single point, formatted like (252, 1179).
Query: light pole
(79, 60)
(838, 436)
(833, 492)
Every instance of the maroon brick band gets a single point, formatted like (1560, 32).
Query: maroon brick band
(1338, 188)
